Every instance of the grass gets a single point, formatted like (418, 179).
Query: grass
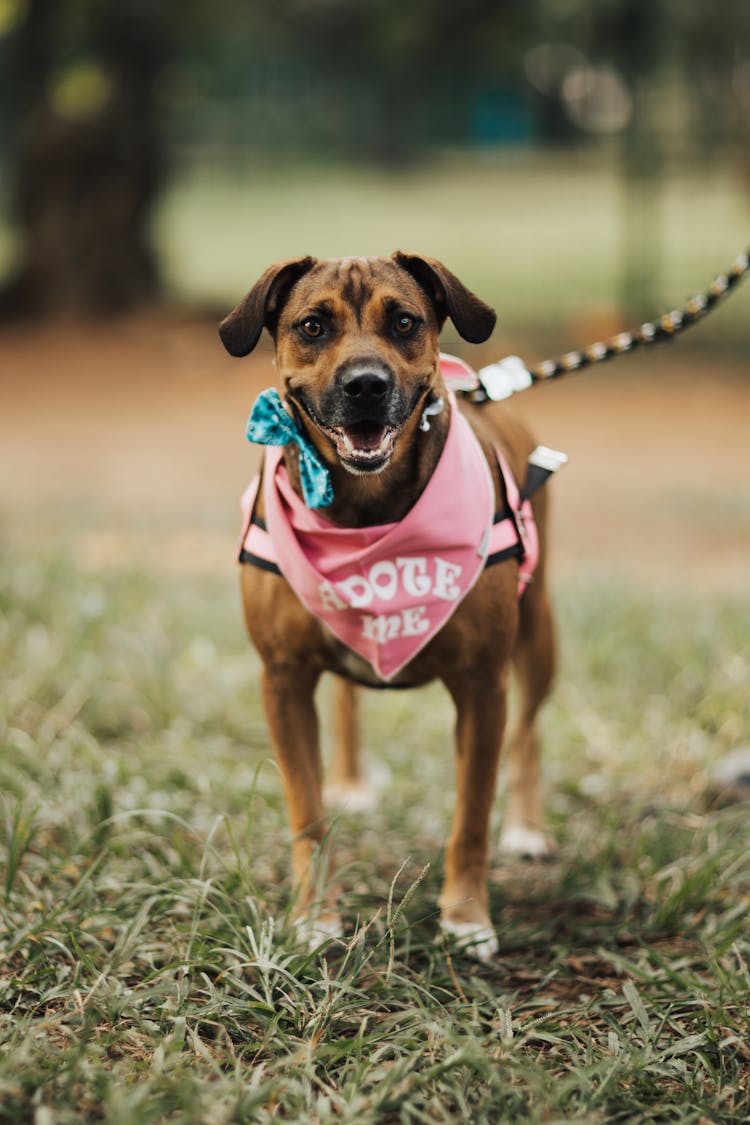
(148, 969)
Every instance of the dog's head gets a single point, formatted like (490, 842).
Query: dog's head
(357, 345)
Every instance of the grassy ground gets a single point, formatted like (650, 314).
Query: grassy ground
(148, 969)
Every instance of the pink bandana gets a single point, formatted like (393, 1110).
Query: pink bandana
(385, 591)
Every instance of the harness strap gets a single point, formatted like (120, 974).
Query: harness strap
(513, 533)
(256, 545)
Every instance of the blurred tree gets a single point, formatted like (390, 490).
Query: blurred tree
(685, 66)
(101, 89)
(635, 32)
(392, 78)
(87, 158)
(716, 60)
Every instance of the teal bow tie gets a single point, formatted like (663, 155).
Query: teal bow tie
(269, 424)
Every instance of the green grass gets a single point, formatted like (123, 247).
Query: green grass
(148, 970)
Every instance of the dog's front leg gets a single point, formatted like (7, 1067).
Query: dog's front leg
(293, 722)
(480, 701)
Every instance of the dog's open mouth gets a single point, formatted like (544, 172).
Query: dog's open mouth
(365, 447)
(362, 447)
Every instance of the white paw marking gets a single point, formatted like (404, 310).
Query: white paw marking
(477, 941)
(313, 932)
(350, 796)
(525, 841)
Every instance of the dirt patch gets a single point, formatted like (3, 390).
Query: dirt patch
(128, 438)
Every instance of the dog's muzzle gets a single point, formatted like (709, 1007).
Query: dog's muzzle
(362, 413)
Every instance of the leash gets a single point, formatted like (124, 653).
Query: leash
(270, 423)
(510, 375)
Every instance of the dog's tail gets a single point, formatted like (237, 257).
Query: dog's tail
(500, 380)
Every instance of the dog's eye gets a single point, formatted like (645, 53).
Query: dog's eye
(404, 324)
(311, 328)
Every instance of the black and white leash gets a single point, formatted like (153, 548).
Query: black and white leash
(510, 375)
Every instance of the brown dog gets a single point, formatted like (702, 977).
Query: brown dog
(357, 357)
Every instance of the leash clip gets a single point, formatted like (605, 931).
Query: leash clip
(503, 379)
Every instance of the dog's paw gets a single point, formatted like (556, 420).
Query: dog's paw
(313, 932)
(349, 796)
(530, 843)
(475, 940)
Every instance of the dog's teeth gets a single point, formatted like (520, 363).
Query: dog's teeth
(369, 453)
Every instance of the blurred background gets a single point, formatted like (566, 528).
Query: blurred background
(581, 164)
(566, 154)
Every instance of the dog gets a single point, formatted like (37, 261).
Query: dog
(357, 356)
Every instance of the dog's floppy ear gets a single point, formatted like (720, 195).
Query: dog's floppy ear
(240, 331)
(471, 316)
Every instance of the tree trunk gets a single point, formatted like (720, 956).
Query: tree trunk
(87, 159)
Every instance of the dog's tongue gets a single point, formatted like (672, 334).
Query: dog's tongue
(365, 441)
(366, 437)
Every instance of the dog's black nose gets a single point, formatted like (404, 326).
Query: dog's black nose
(366, 387)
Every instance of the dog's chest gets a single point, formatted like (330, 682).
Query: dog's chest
(345, 662)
